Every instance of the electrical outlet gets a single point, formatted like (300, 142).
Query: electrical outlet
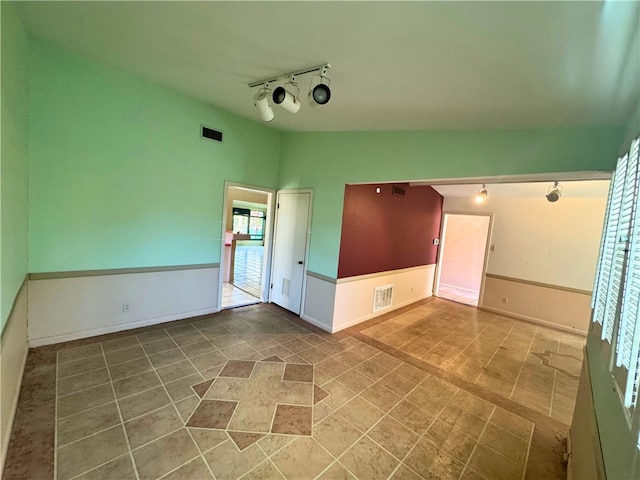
(505, 300)
(125, 307)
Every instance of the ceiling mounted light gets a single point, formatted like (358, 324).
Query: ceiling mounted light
(555, 192)
(286, 99)
(320, 94)
(482, 195)
(263, 104)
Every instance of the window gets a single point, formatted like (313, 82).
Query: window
(616, 295)
(249, 222)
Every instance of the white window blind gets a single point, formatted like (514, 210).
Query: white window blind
(616, 298)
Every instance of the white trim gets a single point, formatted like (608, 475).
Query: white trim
(537, 321)
(458, 288)
(39, 342)
(14, 409)
(380, 274)
(317, 323)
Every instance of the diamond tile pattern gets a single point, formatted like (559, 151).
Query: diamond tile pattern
(249, 393)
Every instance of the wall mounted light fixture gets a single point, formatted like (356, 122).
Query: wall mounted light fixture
(287, 95)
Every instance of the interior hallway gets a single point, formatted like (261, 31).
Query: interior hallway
(257, 393)
(247, 279)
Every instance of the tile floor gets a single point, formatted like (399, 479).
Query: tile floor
(535, 366)
(251, 393)
(248, 269)
(466, 297)
(233, 296)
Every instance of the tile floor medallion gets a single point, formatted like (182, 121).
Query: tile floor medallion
(251, 394)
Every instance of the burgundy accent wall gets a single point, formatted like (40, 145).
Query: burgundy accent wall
(382, 232)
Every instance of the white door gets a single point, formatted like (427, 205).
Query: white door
(289, 249)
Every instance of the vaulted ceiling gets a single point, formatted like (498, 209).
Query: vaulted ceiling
(395, 65)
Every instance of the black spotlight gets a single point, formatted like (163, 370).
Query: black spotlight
(320, 94)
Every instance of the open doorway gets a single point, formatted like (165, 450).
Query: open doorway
(245, 255)
(462, 257)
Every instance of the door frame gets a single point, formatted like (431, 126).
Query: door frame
(487, 249)
(306, 245)
(265, 291)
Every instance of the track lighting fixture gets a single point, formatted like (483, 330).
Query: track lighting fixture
(288, 95)
(262, 103)
(482, 195)
(555, 191)
(320, 94)
(286, 99)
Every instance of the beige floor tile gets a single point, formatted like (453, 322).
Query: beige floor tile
(136, 384)
(411, 416)
(429, 463)
(80, 425)
(187, 406)
(313, 355)
(394, 437)
(209, 360)
(405, 473)
(430, 401)
(181, 389)
(338, 394)
(366, 460)
(229, 463)
(175, 371)
(493, 465)
(410, 372)
(381, 397)
(142, 403)
(120, 343)
(207, 438)
(71, 354)
(120, 468)
(152, 336)
(168, 357)
(194, 470)
(469, 474)
(361, 413)
(385, 360)
(473, 404)
(126, 354)
(128, 369)
(189, 338)
(336, 434)
(462, 420)
(85, 400)
(397, 384)
(454, 442)
(160, 346)
(83, 381)
(303, 458)
(84, 365)
(266, 470)
(509, 445)
(354, 381)
(349, 358)
(164, 455)
(153, 425)
(270, 444)
(90, 452)
(336, 472)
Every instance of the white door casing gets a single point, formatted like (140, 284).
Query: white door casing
(290, 249)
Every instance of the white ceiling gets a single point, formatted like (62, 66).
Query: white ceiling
(396, 65)
(572, 189)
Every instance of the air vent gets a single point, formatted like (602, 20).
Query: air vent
(211, 134)
(397, 191)
(382, 297)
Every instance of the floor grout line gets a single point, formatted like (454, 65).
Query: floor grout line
(533, 338)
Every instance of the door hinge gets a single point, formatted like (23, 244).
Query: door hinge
(278, 206)
(271, 286)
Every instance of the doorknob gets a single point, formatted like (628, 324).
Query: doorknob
(299, 262)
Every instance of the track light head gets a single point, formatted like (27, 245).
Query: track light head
(263, 105)
(286, 99)
(482, 195)
(555, 192)
(320, 94)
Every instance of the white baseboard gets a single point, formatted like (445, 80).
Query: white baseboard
(317, 323)
(537, 321)
(356, 321)
(442, 284)
(14, 409)
(39, 342)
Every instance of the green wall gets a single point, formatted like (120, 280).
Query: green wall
(14, 159)
(119, 174)
(326, 161)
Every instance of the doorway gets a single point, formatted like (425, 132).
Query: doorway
(462, 257)
(245, 251)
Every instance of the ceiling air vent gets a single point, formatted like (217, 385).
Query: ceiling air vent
(382, 297)
(211, 134)
(397, 191)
